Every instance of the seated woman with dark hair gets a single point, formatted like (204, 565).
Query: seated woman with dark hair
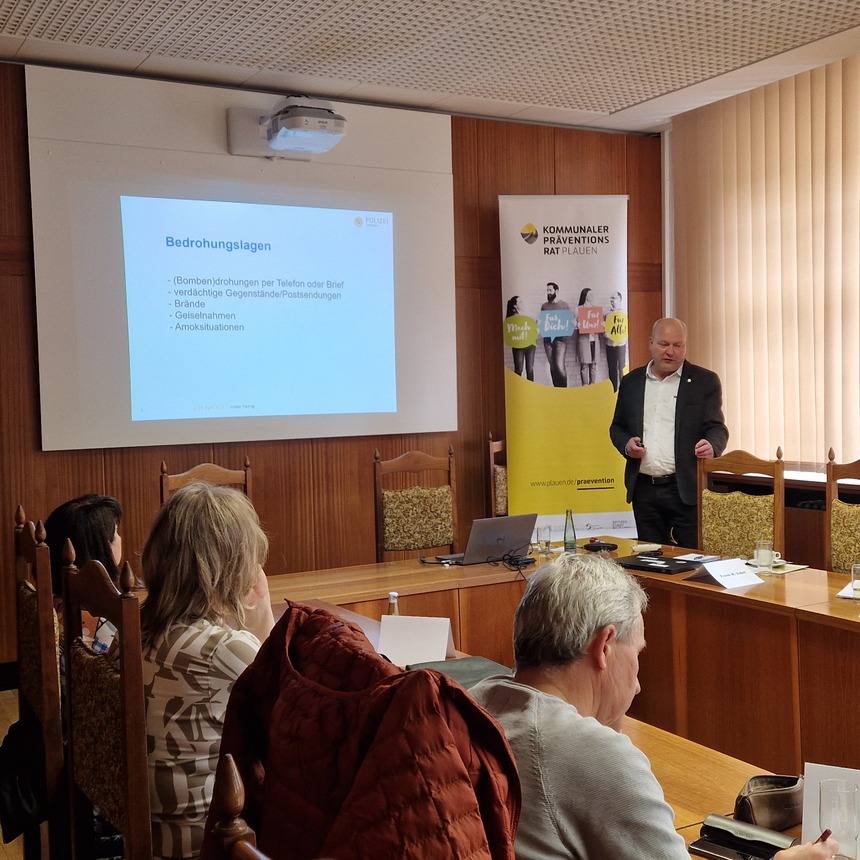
(206, 612)
(91, 522)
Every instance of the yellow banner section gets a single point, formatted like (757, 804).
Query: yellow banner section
(547, 425)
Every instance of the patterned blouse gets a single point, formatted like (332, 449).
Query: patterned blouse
(187, 681)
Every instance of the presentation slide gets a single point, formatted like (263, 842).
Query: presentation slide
(252, 309)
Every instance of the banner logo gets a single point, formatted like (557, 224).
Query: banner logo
(529, 234)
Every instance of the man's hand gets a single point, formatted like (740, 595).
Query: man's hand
(704, 449)
(634, 448)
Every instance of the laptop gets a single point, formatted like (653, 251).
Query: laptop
(494, 537)
(658, 564)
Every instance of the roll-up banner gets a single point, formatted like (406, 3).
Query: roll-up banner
(564, 312)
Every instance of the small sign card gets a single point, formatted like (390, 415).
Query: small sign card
(730, 573)
(407, 639)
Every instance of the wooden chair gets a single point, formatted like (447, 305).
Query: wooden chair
(498, 473)
(105, 712)
(39, 677)
(412, 516)
(208, 472)
(232, 838)
(842, 521)
(731, 522)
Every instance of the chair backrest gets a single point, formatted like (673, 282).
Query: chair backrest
(208, 472)
(38, 673)
(233, 839)
(842, 526)
(498, 473)
(411, 516)
(105, 712)
(730, 523)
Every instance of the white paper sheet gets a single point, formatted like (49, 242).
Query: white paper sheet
(406, 639)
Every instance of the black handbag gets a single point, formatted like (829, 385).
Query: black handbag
(23, 795)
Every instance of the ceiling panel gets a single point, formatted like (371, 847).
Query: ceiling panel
(582, 62)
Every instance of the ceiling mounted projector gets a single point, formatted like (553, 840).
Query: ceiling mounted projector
(304, 125)
(299, 128)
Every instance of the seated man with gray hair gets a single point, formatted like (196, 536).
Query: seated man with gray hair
(588, 793)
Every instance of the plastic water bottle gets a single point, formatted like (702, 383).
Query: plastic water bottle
(569, 532)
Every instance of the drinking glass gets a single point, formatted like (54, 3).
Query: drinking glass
(839, 812)
(546, 540)
(764, 556)
(855, 581)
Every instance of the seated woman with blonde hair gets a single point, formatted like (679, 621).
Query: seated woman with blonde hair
(206, 612)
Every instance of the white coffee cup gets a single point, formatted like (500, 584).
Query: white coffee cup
(765, 556)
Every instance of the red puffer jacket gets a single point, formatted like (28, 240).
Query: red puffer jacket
(344, 755)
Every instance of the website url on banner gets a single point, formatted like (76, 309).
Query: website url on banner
(579, 483)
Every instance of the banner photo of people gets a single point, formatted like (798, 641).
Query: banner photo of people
(564, 317)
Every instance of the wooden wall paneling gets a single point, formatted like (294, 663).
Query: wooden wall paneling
(645, 187)
(38, 480)
(475, 372)
(284, 497)
(492, 360)
(760, 655)
(464, 154)
(512, 159)
(480, 370)
(487, 620)
(341, 514)
(645, 299)
(14, 164)
(493, 388)
(590, 162)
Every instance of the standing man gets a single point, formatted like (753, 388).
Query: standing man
(555, 347)
(669, 414)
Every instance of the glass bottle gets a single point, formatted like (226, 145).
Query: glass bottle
(393, 607)
(569, 532)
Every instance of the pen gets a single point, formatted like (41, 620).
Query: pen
(824, 836)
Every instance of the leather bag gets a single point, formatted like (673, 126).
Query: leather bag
(771, 801)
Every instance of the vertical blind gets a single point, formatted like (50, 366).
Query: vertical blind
(767, 257)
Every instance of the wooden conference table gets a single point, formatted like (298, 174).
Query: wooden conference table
(696, 781)
(764, 673)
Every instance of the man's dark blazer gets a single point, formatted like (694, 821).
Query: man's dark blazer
(698, 415)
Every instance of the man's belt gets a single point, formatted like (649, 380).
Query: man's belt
(657, 480)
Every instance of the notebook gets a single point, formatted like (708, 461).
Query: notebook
(658, 564)
(494, 537)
